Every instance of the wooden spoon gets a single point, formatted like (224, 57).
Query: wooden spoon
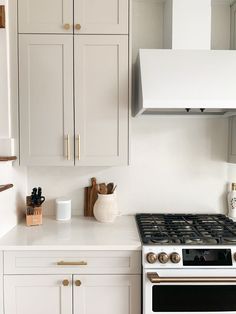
(110, 188)
(102, 188)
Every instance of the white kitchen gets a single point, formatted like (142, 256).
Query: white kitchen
(117, 156)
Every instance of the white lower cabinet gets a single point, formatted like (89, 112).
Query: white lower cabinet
(38, 294)
(106, 294)
(59, 294)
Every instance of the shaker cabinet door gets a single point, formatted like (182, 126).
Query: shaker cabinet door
(45, 16)
(38, 294)
(106, 294)
(101, 16)
(46, 100)
(101, 100)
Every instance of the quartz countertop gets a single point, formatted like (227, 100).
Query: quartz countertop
(80, 233)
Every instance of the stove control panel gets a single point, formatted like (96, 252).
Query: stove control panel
(192, 256)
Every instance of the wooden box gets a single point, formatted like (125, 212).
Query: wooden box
(36, 218)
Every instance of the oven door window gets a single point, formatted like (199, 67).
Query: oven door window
(193, 298)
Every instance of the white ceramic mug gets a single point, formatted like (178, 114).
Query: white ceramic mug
(105, 208)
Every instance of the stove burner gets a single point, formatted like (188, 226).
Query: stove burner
(192, 241)
(159, 241)
(230, 240)
(186, 229)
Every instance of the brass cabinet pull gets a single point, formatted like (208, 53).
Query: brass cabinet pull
(65, 282)
(80, 263)
(68, 147)
(78, 140)
(78, 27)
(78, 283)
(154, 278)
(66, 26)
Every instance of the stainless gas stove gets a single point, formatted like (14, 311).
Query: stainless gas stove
(189, 263)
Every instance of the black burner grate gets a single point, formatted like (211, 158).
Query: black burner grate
(186, 229)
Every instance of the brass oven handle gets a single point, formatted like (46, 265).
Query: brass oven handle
(68, 147)
(154, 278)
(80, 263)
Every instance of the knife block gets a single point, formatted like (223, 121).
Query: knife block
(36, 218)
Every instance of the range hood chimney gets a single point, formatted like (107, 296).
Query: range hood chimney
(187, 24)
(186, 77)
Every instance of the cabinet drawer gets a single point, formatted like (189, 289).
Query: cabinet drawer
(75, 262)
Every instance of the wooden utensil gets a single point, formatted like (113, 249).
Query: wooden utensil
(102, 188)
(110, 188)
(113, 190)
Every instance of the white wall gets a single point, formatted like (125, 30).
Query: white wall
(177, 165)
(11, 201)
(4, 109)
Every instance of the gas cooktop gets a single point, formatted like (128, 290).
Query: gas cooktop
(186, 229)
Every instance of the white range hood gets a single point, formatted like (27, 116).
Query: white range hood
(189, 75)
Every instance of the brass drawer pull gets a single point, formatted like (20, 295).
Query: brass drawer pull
(81, 263)
(68, 147)
(78, 283)
(154, 278)
(78, 140)
(65, 282)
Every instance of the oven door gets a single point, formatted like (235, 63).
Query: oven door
(189, 291)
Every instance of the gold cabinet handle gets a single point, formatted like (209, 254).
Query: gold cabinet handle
(66, 26)
(80, 263)
(78, 27)
(65, 282)
(154, 278)
(78, 283)
(68, 147)
(78, 140)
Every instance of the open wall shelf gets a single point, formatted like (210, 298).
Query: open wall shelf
(5, 187)
(7, 158)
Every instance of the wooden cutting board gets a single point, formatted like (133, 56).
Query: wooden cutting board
(90, 197)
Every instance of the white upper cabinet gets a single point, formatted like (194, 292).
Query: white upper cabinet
(45, 16)
(90, 16)
(46, 99)
(101, 100)
(101, 16)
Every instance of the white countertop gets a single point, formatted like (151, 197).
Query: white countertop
(80, 233)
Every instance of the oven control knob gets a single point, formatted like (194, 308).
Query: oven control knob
(163, 258)
(175, 258)
(151, 258)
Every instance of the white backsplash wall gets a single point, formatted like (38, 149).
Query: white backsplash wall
(12, 201)
(177, 164)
